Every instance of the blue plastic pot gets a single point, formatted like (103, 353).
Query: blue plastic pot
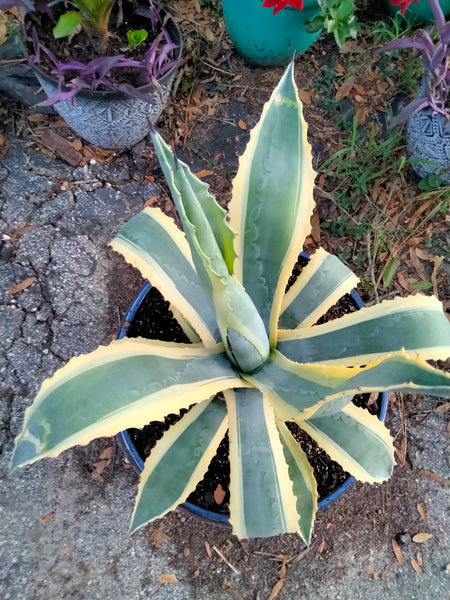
(138, 464)
(267, 39)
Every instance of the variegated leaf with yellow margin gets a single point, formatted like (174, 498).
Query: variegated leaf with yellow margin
(150, 240)
(322, 282)
(299, 391)
(417, 324)
(304, 484)
(241, 327)
(126, 384)
(355, 439)
(276, 166)
(262, 502)
(185, 452)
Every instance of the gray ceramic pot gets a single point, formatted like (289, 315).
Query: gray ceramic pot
(113, 119)
(428, 142)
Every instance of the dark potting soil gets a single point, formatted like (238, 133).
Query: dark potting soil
(154, 320)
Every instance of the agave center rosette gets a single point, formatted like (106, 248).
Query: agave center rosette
(256, 360)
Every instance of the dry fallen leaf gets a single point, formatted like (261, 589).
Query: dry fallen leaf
(167, 578)
(155, 537)
(23, 285)
(419, 559)
(208, 548)
(48, 517)
(371, 574)
(219, 494)
(305, 96)
(422, 513)
(77, 144)
(242, 124)
(276, 589)
(204, 173)
(151, 201)
(149, 177)
(415, 565)
(397, 552)
(431, 475)
(315, 227)
(422, 537)
(107, 453)
(443, 408)
(320, 549)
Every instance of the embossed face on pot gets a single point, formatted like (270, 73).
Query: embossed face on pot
(257, 360)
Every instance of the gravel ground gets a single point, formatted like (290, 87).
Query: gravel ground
(65, 531)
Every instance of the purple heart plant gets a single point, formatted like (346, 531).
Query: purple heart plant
(73, 76)
(435, 58)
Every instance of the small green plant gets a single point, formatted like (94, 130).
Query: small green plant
(338, 17)
(135, 38)
(93, 14)
(256, 361)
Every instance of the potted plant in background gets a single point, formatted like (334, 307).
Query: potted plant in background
(428, 131)
(105, 84)
(271, 37)
(255, 361)
(418, 10)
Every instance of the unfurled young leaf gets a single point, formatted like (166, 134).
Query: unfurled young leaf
(67, 24)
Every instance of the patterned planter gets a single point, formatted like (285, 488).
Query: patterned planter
(113, 119)
(267, 39)
(428, 143)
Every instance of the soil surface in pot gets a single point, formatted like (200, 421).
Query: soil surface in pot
(86, 45)
(154, 320)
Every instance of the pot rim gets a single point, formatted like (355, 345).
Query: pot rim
(174, 32)
(192, 509)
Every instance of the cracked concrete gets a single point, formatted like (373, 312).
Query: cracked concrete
(65, 534)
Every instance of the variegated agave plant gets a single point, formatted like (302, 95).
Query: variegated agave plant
(250, 340)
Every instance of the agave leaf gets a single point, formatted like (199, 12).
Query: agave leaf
(126, 384)
(272, 201)
(300, 391)
(295, 390)
(355, 439)
(417, 324)
(151, 239)
(323, 281)
(210, 238)
(184, 452)
(302, 477)
(400, 372)
(204, 221)
(262, 502)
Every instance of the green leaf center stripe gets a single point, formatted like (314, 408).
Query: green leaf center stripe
(323, 281)
(126, 391)
(151, 239)
(357, 440)
(266, 504)
(275, 166)
(185, 452)
(416, 324)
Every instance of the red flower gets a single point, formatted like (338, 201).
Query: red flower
(403, 4)
(278, 5)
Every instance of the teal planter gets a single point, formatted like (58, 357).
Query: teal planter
(420, 11)
(267, 39)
